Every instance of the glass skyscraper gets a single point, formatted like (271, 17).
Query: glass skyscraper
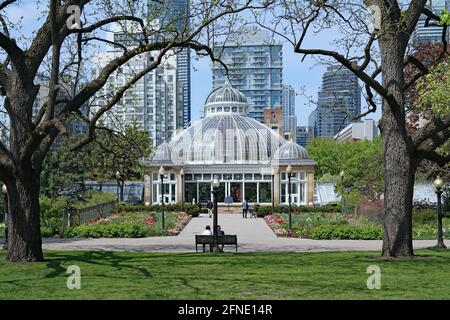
(288, 105)
(255, 66)
(152, 103)
(433, 33)
(160, 102)
(339, 99)
(176, 13)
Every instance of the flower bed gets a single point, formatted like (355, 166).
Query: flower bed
(319, 225)
(131, 225)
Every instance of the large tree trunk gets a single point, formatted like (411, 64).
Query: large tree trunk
(24, 234)
(399, 164)
(24, 231)
(398, 195)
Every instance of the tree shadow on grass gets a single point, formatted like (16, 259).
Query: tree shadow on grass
(101, 258)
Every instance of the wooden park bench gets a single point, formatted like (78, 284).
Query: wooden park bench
(227, 239)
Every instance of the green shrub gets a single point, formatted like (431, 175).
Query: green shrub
(52, 212)
(329, 232)
(191, 209)
(262, 211)
(92, 198)
(108, 231)
(47, 232)
(427, 215)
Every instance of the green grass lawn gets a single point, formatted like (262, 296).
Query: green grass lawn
(128, 275)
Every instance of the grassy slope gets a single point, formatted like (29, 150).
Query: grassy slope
(127, 275)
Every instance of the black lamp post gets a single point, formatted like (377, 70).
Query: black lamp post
(438, 183)
(5, 195)
(162, 173)
(215, 190)
(274, 172)
(289, 173)
(182, 185)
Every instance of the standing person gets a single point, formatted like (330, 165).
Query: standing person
(207, 232)
(244, 209)
(209, 206)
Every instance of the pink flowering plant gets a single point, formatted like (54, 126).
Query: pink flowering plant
(318, 225)
(131, 225)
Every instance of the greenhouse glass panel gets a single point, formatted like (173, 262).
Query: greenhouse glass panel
(251, 191)
(302, 193)
(221, 193)
(237, 176)
(283, 192)
(204, 191)
(265, 192)
(190, 192)
(236, 191)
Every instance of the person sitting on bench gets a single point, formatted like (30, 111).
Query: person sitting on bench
(206, 232)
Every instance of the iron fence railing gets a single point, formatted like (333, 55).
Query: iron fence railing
(83, 216)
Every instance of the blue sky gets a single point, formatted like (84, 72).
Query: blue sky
(307, 74)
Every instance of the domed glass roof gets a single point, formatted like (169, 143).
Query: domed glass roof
(225, 94)
(227, 136)
(226, 139)
(162, 153)
(290, 151)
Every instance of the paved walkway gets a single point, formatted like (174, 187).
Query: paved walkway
(253, 235)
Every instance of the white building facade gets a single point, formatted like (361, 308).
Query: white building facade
(364, 130)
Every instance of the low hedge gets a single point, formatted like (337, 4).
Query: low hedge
(329, 232)
(427, 215)
(191, 209)
(262, 211)
(108, 231)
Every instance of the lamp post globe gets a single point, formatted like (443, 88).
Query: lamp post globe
(162, 173)
(439, 183)
(4, 189)
(215, 183)
(215, 190)
(289, 173)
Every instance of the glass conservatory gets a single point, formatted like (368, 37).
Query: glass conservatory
(249, 158)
